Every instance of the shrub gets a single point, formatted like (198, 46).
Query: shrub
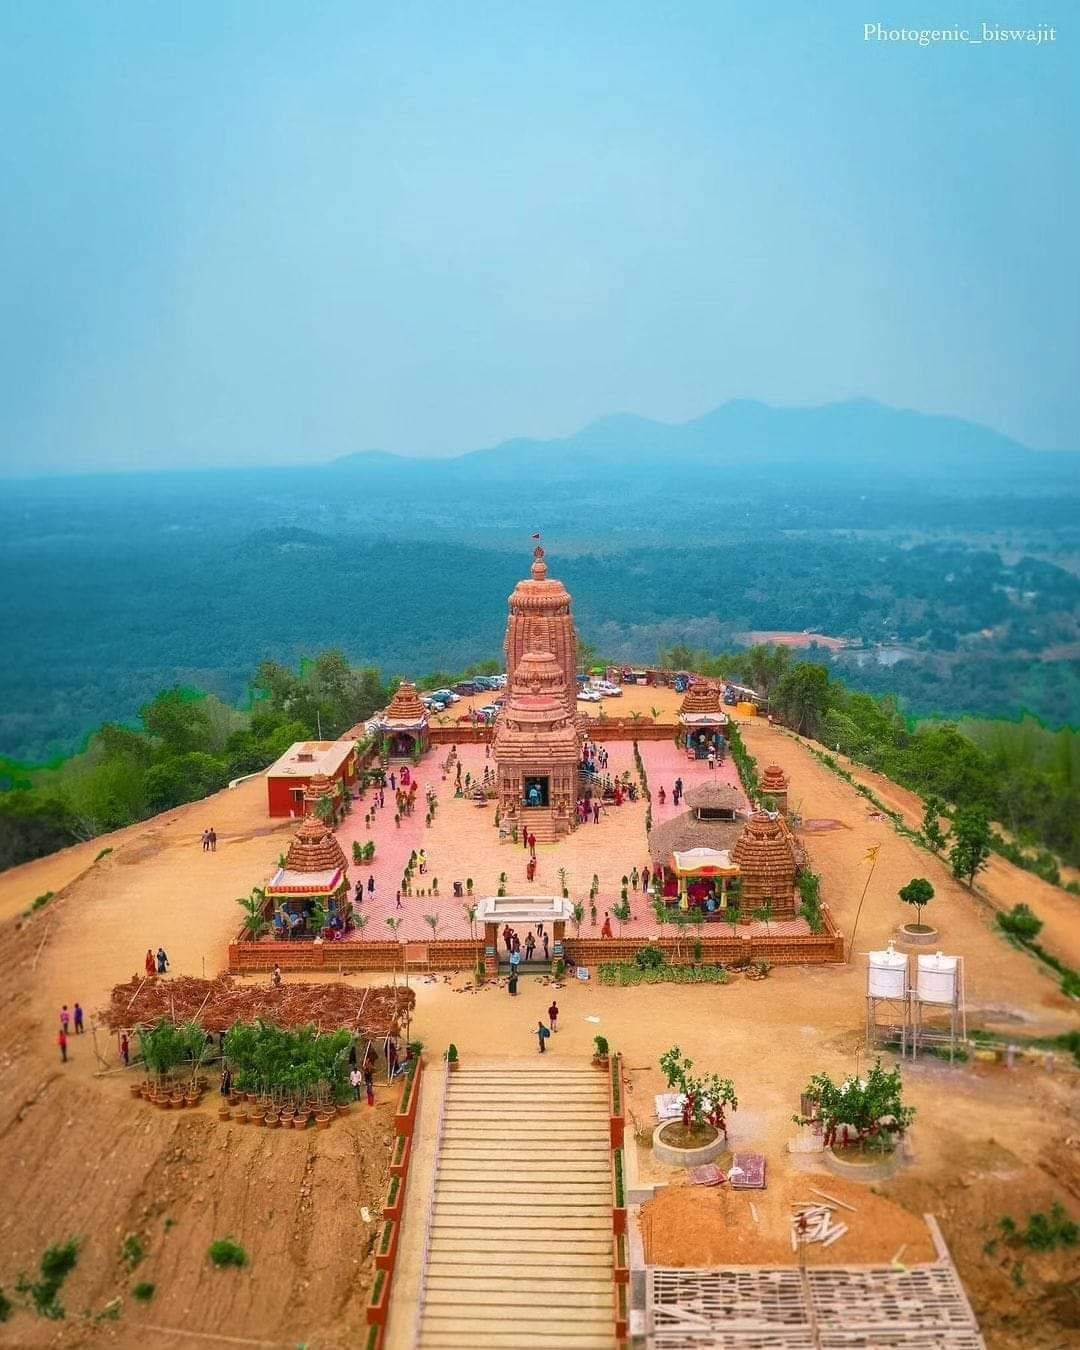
(873, 1106)
(143, 1291)
(696, 1092)
(451, 1053)
(5, 1306)
(132, 1250)
(56, 1265)
(226, 1252)
(649, 958)
(1020, 923)
(600, 1042)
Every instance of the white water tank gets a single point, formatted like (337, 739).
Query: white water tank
(887, 975)
(937, 979)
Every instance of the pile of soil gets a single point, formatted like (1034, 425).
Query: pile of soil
(694, 1226)
(218, 1004)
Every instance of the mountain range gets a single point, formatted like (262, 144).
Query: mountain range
(859, 434)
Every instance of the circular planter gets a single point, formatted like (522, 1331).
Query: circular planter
(677, 1156)
(235, 1098)
(272, 1120)
(136, 1089)
(924, 937)
(242, 1117)
(868, 1167)
(322, 1122)
(224, 1113)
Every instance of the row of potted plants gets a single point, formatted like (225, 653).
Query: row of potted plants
(167, 1094)
(290, 1116)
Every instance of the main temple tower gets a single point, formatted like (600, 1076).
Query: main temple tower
(541, 621)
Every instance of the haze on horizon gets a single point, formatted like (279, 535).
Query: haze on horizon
(238, 234)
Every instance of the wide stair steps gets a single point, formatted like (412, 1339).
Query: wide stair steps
(521, 1250)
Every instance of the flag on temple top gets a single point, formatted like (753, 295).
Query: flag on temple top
(536, 536)
(871, 854)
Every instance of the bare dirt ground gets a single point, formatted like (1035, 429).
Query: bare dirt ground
(1001, 884)
(78, 1156)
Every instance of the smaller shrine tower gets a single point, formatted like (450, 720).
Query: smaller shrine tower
(537, 748)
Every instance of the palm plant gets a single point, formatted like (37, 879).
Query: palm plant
(622, 913)
(577, 914)
(360, 922)
(254, 906)
(764, 913)
(432, 921)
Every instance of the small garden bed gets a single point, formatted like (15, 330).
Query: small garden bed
(676, 1135)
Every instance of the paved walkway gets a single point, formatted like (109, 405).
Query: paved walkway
(521, 1250)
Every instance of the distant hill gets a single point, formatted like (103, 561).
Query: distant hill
(836, 437)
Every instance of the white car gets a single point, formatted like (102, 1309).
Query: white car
(498, 681)
(588, 695)
(607, 690)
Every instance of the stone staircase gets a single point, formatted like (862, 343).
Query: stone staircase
(521, 1250)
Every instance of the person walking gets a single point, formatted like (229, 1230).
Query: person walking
(553, 1015)
(65, 1017)
(78, 1019)
(525, 838)
(213, 839)
(371, 885)
(634, 878)
(544, 940)
(226, 1082)
(507, 937)
(512, 983)
(125, 1050)
(61, 1041)
(645, 880)
(356, 1078)
(162, 961)
(151, 969)
(206, 841)
(515, 960)
(530, 945)
(532, 846)
(542, 1033)
(369, 1077)
(605, 931)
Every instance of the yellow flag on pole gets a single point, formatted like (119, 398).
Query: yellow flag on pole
(871, 854)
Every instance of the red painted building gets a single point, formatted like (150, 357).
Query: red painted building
(287, 778)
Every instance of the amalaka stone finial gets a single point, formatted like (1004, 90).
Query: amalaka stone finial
(539, 566)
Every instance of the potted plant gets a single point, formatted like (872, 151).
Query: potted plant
(452, 1056)
(600, 1052)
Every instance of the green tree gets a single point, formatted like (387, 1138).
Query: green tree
(971, 844)
(802, 697)
(917, 892)
(931, 823)
(177, 720)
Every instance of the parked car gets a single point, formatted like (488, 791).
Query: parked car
(607, 689)
(447, 695)
(489, 711)
(465, 687)
(587, 695)
(498, 681)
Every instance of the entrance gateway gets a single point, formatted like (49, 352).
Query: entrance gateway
(522, 912)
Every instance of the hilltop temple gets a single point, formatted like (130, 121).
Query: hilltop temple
(538, 735)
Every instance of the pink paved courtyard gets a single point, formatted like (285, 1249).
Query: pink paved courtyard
(463, 842)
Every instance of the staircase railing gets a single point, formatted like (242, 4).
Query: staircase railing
(429, 1212)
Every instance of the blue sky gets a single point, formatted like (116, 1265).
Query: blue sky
(265, 233)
